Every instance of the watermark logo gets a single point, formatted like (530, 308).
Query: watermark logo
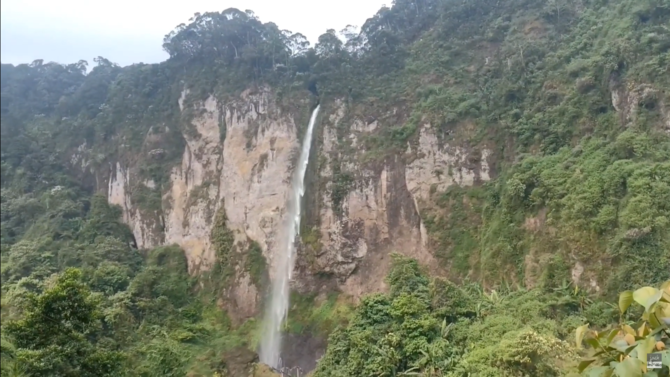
(654, 361)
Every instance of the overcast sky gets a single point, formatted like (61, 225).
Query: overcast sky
(131, 31)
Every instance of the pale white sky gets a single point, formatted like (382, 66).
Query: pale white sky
(131, 31)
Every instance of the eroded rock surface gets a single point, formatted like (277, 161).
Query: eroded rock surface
(247, 172)
(239, 156)
(380, 213)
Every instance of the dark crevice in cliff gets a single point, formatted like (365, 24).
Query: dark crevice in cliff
(311, 86)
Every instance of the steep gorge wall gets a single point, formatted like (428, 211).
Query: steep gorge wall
(379, 211)
(239, 157)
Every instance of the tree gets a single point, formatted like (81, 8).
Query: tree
(57, 335)
(350, 37)
(329, 44)
(24, 259)
(104, 220)
(297, 43)
(79, 66)
(391, 335)
(103, 62)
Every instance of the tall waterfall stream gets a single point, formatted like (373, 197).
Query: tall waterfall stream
(277, 310)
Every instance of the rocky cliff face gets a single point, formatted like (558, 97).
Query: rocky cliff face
(380, 210)
(239, 157)
(629, 97)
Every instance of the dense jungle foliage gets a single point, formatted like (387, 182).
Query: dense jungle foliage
(431, 327)
(577, 179)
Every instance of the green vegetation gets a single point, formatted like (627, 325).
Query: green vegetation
(431, 327)
(624, 348)
(435, 328)
(570, 97)
(148, 316)
(582, 176)
(223, 242)
(255, 264)
(309, 314)
(341, 184)
(54, 335)
(604, 199)
(77, 300)
(598, 200)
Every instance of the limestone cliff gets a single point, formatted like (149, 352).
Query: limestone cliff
(238, 158)
(380, 210)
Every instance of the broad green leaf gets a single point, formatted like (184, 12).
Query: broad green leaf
(630, 367)
(593, 343)
(629, 330)
(579, 334)
(633, 353)
(611, 335)
(653, 321)
(643, 330)
(645, 346)
(619, 344)
(666, 286)
(663, 311)
(625, 299)
(647, 296)
(584, 364)
(622, 347)
(599, 372)
(656, 331)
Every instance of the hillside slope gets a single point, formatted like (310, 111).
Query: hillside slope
(519, 144)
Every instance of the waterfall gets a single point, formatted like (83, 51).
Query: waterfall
(285, 258)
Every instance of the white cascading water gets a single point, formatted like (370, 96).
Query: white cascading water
(285, 259)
